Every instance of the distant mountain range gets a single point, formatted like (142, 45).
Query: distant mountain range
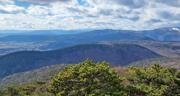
(116, 54)
(40, 32)
(43, 40)
(161, 34)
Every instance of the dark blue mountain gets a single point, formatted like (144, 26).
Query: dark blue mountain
(116, 54)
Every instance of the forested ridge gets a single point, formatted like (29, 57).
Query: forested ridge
(116, 54)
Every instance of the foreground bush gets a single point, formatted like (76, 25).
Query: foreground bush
(154, 81)
(87, 79)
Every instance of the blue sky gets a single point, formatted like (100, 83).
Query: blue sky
(88, 14)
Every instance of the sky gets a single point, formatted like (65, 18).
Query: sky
(88, 14)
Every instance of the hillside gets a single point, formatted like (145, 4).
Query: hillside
(166, 62)
(41, 74)
(117, 55)
(166, 49)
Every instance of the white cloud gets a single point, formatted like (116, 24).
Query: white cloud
(6, 2)
(38, 10)
(10, 8)
(115, 14)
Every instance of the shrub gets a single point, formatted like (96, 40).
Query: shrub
(153, 81)
(87, 79)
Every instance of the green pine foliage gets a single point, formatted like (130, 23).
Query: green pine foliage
(87, 79)
(154, 81)
(99, 79)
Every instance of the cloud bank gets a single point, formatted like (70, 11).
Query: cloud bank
(89, 14)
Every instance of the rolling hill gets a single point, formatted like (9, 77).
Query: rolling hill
(116, 54)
